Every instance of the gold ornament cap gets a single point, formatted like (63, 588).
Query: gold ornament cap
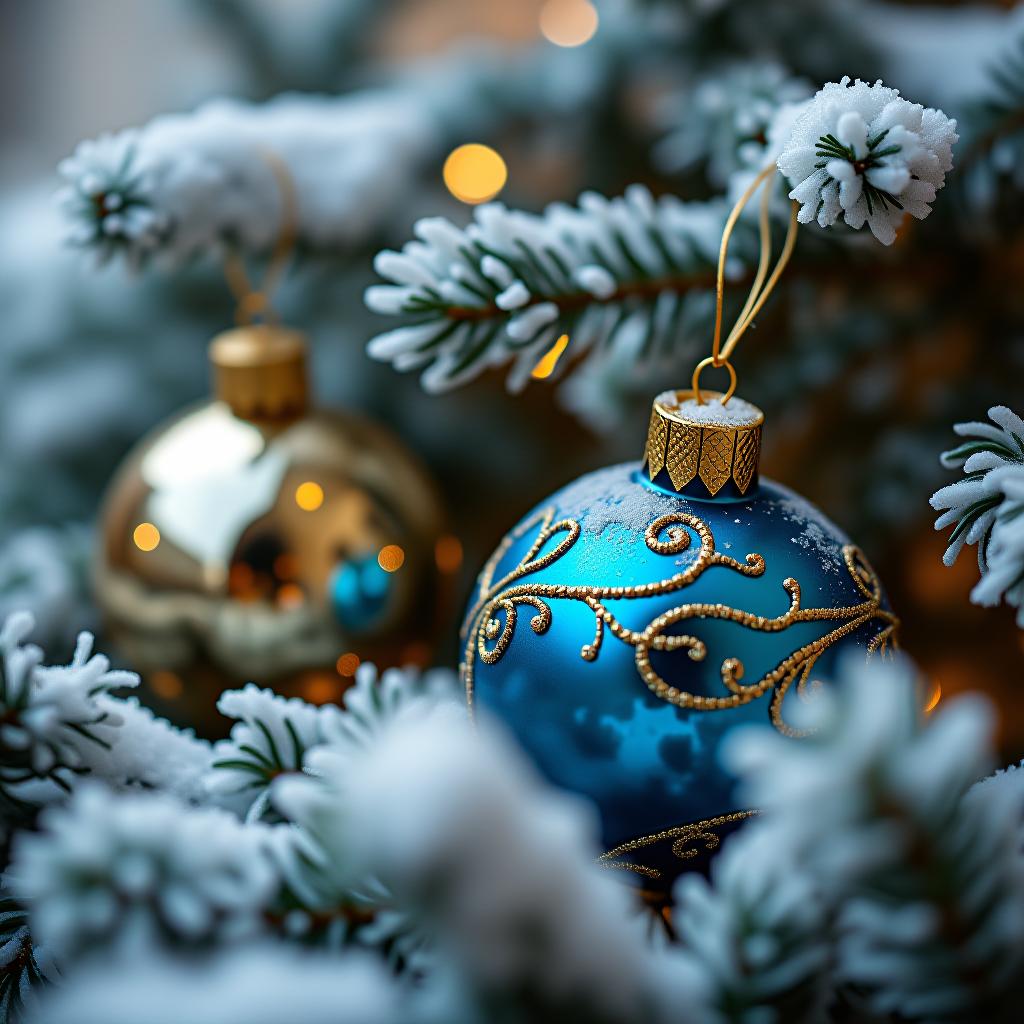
(703, 449)
(259, 370)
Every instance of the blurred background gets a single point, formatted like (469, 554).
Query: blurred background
(862, 362)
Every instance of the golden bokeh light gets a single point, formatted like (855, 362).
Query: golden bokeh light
(146, 536)
(448, 553)
(319, 688)
(934, 697)
(167, 685)
(347, 664)
(547, 362)
(309, 496)
(474, 173)
(568, 22)
(290, 596)
(391, 558)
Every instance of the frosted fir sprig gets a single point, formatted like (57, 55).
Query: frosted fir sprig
(314, 799)
(377, 698)
(53, 721)
(992, 168)
(109, 199)
(188, 184)
(147, 752)
(111, 870)
(459, 828)
(506, 287)
(722, 121)
(862, 153)
(270, 738)
(1010, 780)
(755, 931)
(986, 507)
(261, 983)
(24, 964)
(923, 877)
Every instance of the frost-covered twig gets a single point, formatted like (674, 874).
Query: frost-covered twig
(723, 119)
(261, 984)
(922, 876)
(24, 964)
(51, 715)
(190, 183)
(993, 158)
(505, 288)
(270, 739)
(112, 870)
(756, 930)
(986, 507)
(863, 153)
(501, 870)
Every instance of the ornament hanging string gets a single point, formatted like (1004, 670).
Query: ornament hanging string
(759, 290)
(254, 301)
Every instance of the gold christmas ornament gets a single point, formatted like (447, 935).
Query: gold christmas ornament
(253, 539)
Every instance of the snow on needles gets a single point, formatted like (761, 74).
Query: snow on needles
(862, 153)
(188, 183)
(986, 507)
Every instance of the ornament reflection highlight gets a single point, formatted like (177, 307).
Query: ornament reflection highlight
(547, 363)
(146, 537)
(309, 496)
(391, 558)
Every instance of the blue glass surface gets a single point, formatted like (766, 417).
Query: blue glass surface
(594, 727)
(359, 593)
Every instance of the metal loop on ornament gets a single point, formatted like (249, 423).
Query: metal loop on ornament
(761, 288)
(711, 361)
(254, 300)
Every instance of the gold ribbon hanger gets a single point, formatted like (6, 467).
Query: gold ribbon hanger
(759, 290)
(253, 301)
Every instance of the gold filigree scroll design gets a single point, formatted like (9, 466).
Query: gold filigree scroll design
(504, 597)
(684, 843)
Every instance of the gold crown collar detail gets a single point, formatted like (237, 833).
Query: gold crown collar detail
(698, 448)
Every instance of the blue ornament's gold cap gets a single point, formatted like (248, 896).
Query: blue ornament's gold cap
(703, 449)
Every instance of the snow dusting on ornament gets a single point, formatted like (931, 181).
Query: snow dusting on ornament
(734, 413)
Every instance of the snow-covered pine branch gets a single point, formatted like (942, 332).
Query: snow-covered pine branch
(263, 983)
(862, 153)
(51, 716)
(61, 724)
(189, 183)
(993, 160)
(24, 964)
(757, 930)
(109, 870)
(922, 875)
(498, 868)
(986, 507)
(722, 120)
(505, 288)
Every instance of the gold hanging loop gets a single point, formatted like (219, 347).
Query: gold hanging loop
(710, 361)
(759, 290)
(253, 302)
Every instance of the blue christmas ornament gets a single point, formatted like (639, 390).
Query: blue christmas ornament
(638, 615)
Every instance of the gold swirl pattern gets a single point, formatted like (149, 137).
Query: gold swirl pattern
(492, 620)
(684, 839)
